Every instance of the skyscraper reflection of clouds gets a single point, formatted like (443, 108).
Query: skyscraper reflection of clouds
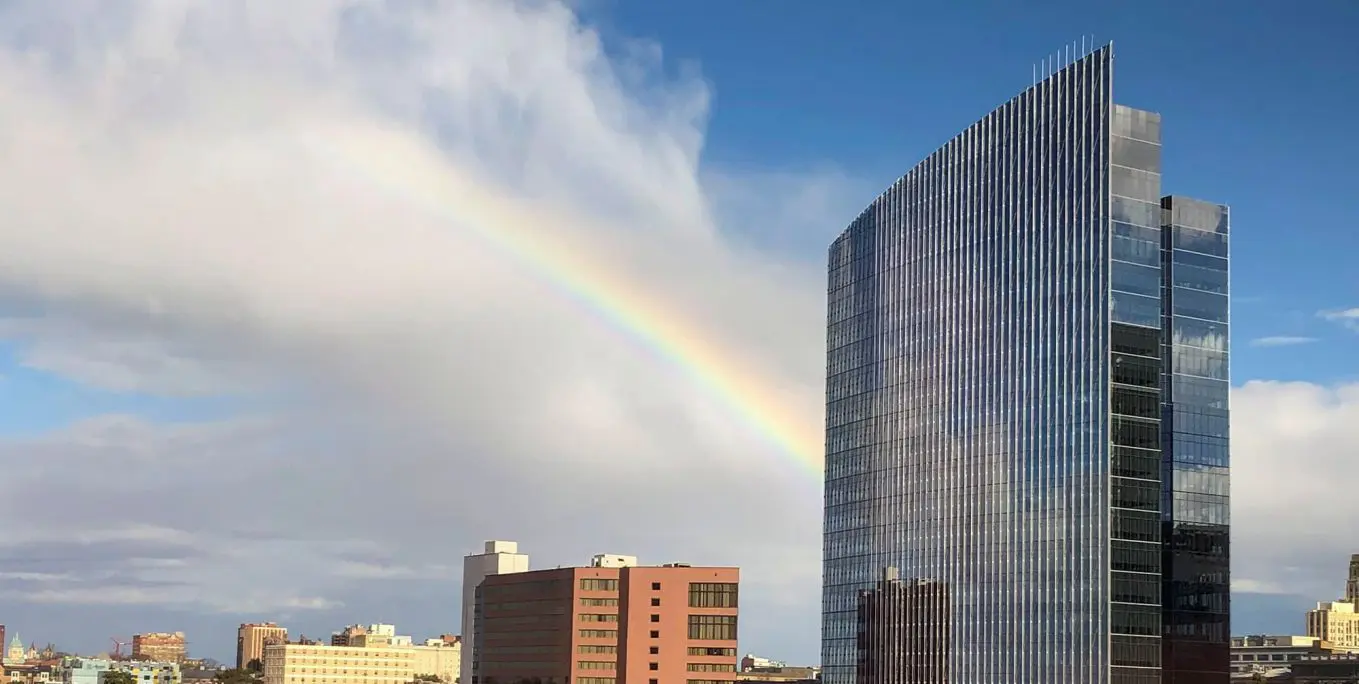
(1026, 467)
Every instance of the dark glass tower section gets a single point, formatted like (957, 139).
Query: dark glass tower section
(1197, 630)
(903, 632)
(1027, 410)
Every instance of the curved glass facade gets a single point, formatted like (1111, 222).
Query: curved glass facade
(996, 407)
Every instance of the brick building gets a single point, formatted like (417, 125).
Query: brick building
(671, 624)
(167, 647)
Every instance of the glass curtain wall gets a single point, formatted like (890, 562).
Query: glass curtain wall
(968, 430)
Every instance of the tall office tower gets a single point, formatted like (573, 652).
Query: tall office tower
(1027, 409)
(499, 558)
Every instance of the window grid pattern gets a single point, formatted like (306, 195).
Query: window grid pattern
(1136, 367)
(1195, 500)
(967, 427)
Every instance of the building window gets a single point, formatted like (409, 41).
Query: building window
(712, 594)
(712, 627)
(655, 586)
(653, 666)
(655, 602)
(593, 680)
(592, 584)
(597, 617)
(655, 617)
(711, 667)
(599, 602)
(655, 634)
(655, 650)
(712, 652)
(596, 648)
(599, 634)
(596, 665)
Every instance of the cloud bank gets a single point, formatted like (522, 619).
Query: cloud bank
(453, 261)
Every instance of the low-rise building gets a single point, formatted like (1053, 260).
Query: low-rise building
(613, 622)
(440, 657)
(1326, 669)
(31, 673)
(91, 671)
(318, 664)
(1261, 653)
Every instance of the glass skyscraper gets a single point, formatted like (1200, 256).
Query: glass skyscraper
(1026, 410)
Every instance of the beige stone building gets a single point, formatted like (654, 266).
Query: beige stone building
(317, 664)
(439, 657)
(1336, 622)
(251, 639)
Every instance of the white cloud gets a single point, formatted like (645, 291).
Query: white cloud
(1346, 317)
(1292, 472)
(1281, 341)
(462, 263)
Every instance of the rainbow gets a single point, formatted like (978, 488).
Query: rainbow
(500, 223)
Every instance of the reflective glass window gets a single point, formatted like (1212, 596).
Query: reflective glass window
(1199, 241)
(1135, 153)
(1136, 309)
(1137, 279)
(1194, 332)
(1198, 304)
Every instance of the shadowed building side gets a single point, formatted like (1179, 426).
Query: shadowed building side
(904, 632)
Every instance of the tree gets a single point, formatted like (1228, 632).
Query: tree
(236, 676)
(428, 678)
(119, 677)
(255, 665)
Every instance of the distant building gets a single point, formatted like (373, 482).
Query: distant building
(168, 647)
(91, 671)
(251, 638)
(754, 662)
(672, 623)
(782, 675)
(1264, 654)
(498, 558)
(757, 669)
(318, 664)
(15, 654)
(613, 560)
(347, 635)
(1336, 622)
(32, 673)
(1351, 586)
(1326, 669)
(200, 675)
(440, 657)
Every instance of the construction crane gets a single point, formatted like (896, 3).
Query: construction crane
(118, 645)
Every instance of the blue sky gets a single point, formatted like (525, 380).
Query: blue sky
(413, 376)
(1257, 100)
